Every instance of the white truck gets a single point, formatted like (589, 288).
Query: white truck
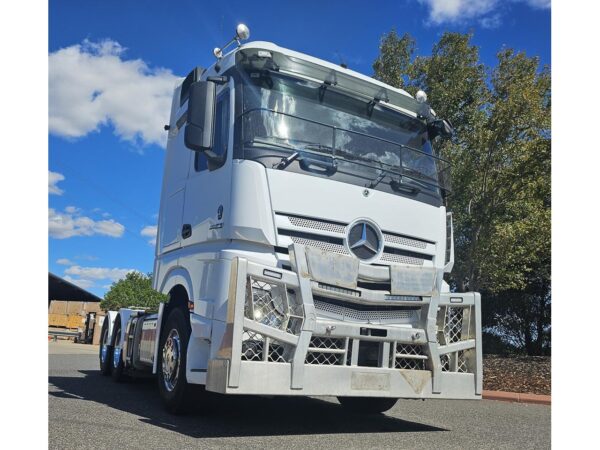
(302, 241)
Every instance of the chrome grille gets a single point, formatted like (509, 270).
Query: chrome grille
(368, 316)
(403, 241)
(326, 246)
(402, 259)
(317, 224)
(337, 248)
(339, 228)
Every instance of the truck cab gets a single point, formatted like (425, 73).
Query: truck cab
(303, 239)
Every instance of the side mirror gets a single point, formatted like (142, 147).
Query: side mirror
(440, 127)
(200, 116)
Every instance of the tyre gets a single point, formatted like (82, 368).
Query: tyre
(367, 405)
(117, 364)
(106, 349)
(177, 394)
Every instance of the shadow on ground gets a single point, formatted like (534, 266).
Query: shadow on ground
(230, 416)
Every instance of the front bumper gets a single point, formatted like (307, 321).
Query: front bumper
(286, 347)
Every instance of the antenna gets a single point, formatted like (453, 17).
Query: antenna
(343, 63)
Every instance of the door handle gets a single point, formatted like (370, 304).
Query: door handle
(186, 231)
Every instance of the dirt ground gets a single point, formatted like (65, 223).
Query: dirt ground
(524, 374)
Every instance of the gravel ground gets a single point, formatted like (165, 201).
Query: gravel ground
(524, 374)
(87, 410)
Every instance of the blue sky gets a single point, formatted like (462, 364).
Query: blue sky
(112, 65)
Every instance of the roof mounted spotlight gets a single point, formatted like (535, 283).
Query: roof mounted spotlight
(242, 32)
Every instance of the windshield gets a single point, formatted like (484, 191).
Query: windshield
(336, 134)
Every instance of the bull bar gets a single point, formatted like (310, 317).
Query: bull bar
(276, 343)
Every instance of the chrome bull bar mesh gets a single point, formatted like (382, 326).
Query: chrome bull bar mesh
(274, 320)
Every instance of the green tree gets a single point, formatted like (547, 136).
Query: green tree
(393, 62)
(133, 290)
(501, 174)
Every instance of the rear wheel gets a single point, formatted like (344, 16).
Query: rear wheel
(105, 354)
(117, 354)
(367, 405)
(174, 389)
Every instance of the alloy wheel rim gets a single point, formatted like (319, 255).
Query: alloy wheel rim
(104, 347)
(171, 360)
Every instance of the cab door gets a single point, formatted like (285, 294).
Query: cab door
(208, 188)
(174, 181)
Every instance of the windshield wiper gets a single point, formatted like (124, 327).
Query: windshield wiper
(268, 143)
(396, 185)
(373, 184)
(415, 173)
(281, 165)
(401, 186)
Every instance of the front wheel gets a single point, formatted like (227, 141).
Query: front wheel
(174, 389)
(367, 405)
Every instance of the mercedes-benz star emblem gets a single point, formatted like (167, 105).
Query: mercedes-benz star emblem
(364, 240)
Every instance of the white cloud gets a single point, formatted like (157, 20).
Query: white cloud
(53, 179)
(150, 231)
(540, 4)
(491, 22)
(86, 277)
(62, 225)
(91, 85)
(64, 262)
(441, 11)
(82, 283)
(98, 273)
(461, 11)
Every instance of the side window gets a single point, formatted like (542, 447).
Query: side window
(221, 138)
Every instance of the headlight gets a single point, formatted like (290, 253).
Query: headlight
(274, 305)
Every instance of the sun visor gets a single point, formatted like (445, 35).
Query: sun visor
(253, 59)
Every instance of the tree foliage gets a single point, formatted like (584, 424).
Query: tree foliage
(501, 173)
(133, 290)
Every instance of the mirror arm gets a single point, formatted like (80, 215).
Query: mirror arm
(218, 80)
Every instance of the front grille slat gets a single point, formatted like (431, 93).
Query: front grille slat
(310, 223)
(335, 245)
(362, 314)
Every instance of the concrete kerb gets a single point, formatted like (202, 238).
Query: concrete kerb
(517, 397)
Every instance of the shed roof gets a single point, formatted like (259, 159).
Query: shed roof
(61, 289)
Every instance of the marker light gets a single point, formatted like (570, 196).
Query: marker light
(421, 96)
(242, 32)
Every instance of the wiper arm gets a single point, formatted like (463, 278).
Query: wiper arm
(415, 173)
(373, 184)
(395, 185)
(268, 143)
(401, 186)
(281, 165)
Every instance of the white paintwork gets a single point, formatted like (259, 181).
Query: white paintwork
(173, 186)
(298, 194)
(207, 190)
(255, 203)
(251, 210)
(227, 62)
